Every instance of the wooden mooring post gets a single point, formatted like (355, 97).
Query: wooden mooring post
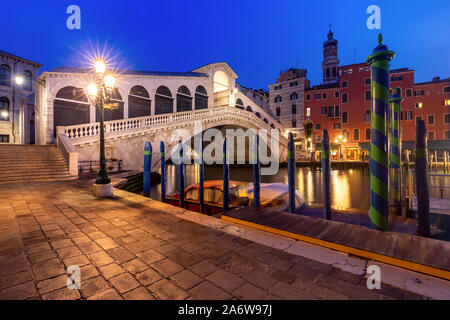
(326, 175)
(181, 173)
(163, 170)
(422, 193)
(147, 168)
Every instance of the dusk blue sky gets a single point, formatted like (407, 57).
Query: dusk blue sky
(256, 38)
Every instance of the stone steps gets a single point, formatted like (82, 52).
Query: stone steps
(29, 163)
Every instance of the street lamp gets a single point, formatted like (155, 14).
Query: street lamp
(339, 140)
(100, 92)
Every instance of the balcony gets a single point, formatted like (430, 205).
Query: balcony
(333, 115)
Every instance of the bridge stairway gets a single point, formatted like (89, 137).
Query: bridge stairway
(31, 163)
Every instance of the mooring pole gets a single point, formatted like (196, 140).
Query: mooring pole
(256, 173)
(395, 178)
(201, 173)
(181, 173)
(226, 176)
(423, 197)
(378, 165)
(163, 170)
(291, 172)
(147, 167)
(326, 175)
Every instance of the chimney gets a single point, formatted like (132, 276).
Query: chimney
(436, 78)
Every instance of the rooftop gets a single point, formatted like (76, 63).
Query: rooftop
(19, 58)
(134, 72)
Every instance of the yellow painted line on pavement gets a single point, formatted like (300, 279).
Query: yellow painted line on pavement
(436, 272)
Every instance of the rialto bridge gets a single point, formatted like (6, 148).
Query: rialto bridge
(153, 106)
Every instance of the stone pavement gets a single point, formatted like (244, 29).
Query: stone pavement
(128, 250)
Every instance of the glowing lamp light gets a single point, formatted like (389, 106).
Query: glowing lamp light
(340, 137)
(4, 114)
(100, 66)
(19, 80)
(335, 140)
(110, 81)
(345, 140)
(92, 90)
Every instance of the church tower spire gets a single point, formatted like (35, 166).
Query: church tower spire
(330, 63)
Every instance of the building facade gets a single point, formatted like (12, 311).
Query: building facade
(286, 102)
(342, 105)
(17, 77)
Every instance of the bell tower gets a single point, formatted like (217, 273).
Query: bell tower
(330, 63)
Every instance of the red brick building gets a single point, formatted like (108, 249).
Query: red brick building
(342, 106)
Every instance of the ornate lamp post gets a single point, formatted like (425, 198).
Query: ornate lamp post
(339, 140)
(100, 92)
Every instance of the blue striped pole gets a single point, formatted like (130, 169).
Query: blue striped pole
(181, 173)
(423, 197)
(201, 172)
(226, 177)
(378, 165)
(147, 167)
(256, 173)
(291, 172)
(395, 177)
(326, 175)
(163, 170)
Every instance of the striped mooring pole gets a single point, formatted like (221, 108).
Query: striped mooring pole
(291, 172)
(326, 175)
(201, 178)
(423, 197)
(163, 170)
(395, 151)
(181, 173)
(147, 167)
(226, 177)
(256, 173)
(379, 163)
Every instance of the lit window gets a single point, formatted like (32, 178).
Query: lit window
(419, 105)
(308, 112)
(447, 102)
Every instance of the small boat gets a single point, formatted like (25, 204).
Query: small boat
(275, 195)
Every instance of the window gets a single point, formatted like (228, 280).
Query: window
(5, 75)
(331, 111)
(239, 104)
(344, 98)
(447, 118)
(446, 102)
(419, 105)
(447, 135)
(308, 112)
(419, 93)
(294, 110)
(367, 81)
(163, 100)
(278, 111)
(344, 84)
(430, 119)
(336, 111)
(27, 80)
(368, 95)
(317, 96)
(345, 134)
(294, 124)
(368, 132)
(408, 93)
(308, 97)
(344, 117)
(278, 99)
(356, 134)
(408, 115)
(367, 116)
(184, 99)
(418, 118)
(4, 109)
(294, 96)
(293, 84)
(324, 110)
(401, 115)
(430, 135)
(201, 98)
(139, 103)
(336, 94)
(336, 125)
(398, 78)
(324, 95)
(278, 87)
(447, 89)
(4, 138)
(328, 73)
(317, 126)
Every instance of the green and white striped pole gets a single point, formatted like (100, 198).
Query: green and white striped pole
(379, 164)
(423, 196)
(395, 178)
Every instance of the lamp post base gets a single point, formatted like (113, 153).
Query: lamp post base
(103, 190)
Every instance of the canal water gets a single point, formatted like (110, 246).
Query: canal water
(349, 187)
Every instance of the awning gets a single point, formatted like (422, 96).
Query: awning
(364, 145)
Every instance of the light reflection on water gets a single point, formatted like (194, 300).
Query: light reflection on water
(349, 187)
